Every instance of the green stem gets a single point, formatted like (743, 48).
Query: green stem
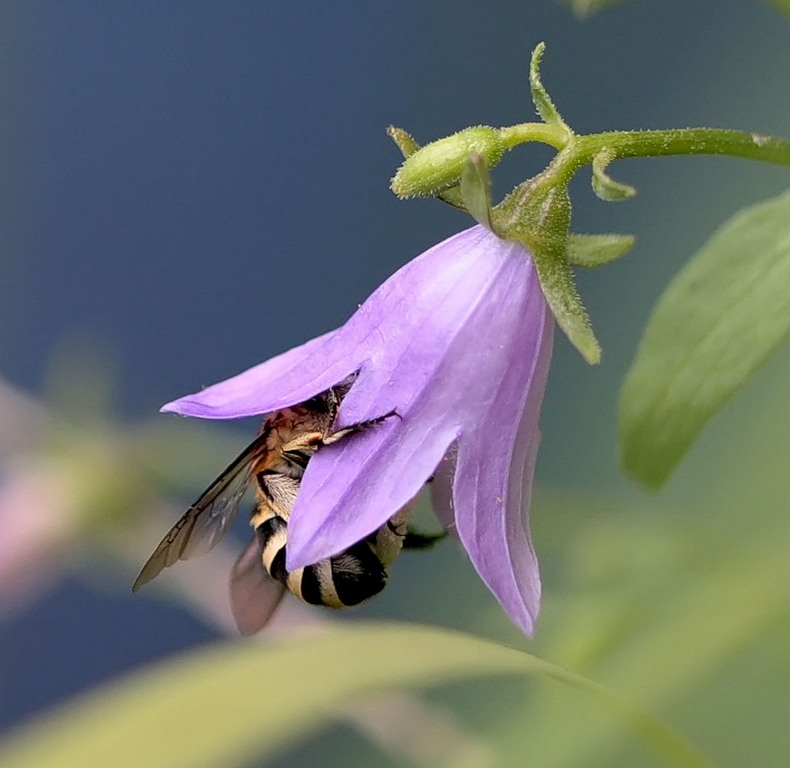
(684, 141)
(553, 135)
(577, 151)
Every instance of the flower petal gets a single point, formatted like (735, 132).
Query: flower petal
(442, 489)
(493, 486)
(292, 377)
(450, 326)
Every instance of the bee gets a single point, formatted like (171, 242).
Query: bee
(276, 461)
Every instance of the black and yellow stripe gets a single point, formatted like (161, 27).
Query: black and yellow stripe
(340, 581)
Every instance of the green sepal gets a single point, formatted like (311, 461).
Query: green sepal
(452, 197)
(604, 185)
(538, 215)
(559, 288)
(438, 166)
(597, 250)
(405, 142)
(717, 322)
(540, 95)
(475, 190)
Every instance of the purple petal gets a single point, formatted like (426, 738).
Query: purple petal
(442, 489)
(493, 486)
(450, 326)
(292, 377)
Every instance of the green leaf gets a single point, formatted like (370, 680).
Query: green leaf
(238, 701)
(716, 323)
(476, 190)
(597, 250)
(605, 186)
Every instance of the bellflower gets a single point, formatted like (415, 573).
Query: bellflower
(457, 343)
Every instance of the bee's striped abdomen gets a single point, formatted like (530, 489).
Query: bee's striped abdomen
(272, 533)
(357, 574)
(343, 580)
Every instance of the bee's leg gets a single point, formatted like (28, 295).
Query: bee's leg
(301, 449)
(354, 428)
(331, 399)
(416, 540)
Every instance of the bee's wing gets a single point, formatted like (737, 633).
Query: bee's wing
(206, 521)
(254, 595)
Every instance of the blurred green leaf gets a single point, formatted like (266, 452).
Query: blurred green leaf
(782, 5)
(681, 603)
(584, 8)
(656, 608)
(717, 322)
(237, 701)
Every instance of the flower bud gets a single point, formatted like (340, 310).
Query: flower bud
(438, 166)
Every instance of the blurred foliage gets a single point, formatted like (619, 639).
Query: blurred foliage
(716, 323)
(120, 470)
(220, 708)
(670, 604)
(782, 5)
(584, 8)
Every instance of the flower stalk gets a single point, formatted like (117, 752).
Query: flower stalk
(653, 143)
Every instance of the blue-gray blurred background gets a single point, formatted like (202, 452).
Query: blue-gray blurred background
(190, 188)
